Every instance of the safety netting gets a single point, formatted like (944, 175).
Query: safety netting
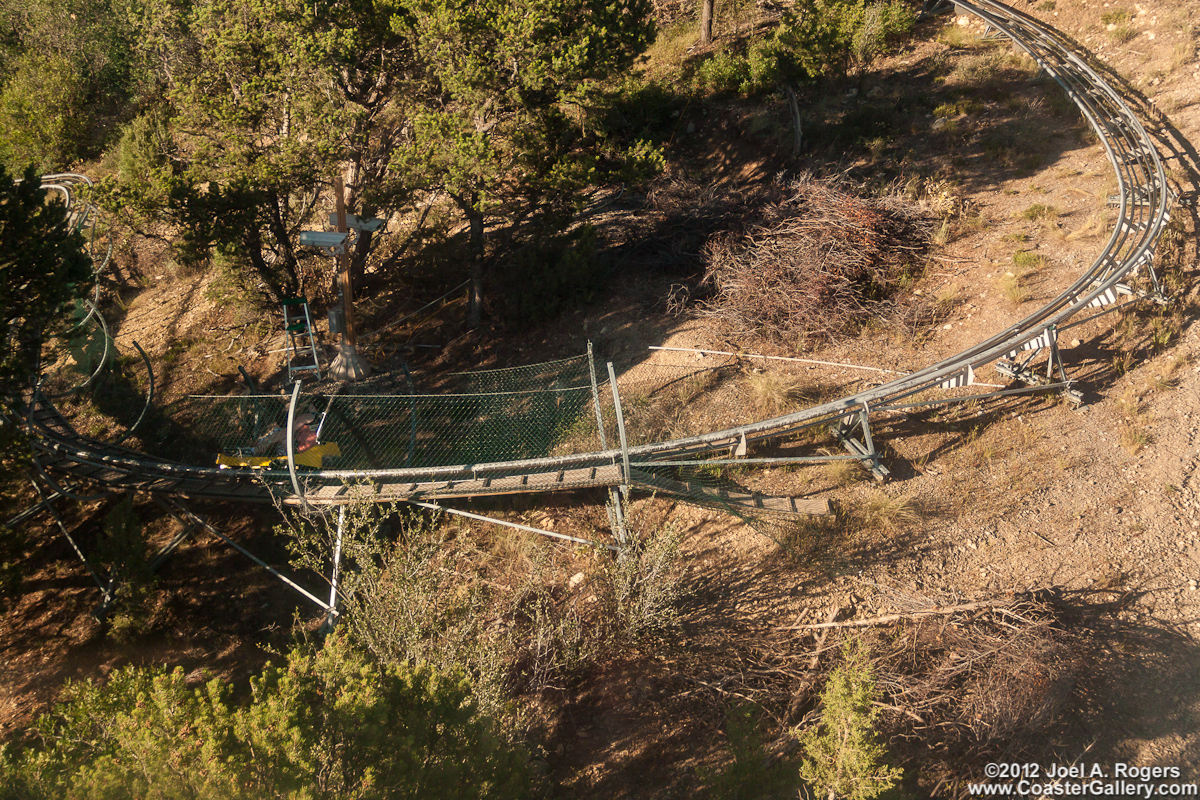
(538, 411)
(482, 421)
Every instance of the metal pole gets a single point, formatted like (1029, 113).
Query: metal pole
(616, 520)
(205, 524)
(291, 444)
(337, 561)
(596, 398)
(612, 378)
(106, 592)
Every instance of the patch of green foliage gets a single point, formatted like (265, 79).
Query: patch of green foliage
(843, 757)
(66, 76)
(324, 724)
(124, 554)
(814, 39)
(752, 773)
(257, 104)
(43, 270)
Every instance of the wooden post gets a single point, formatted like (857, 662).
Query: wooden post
(339, 195)
(349, 365)
(706, 22)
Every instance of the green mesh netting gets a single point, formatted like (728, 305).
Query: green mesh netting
(531, 412)
(498, 415)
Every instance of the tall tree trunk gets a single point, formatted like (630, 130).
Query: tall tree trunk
(706, 19)
(469, 205)
(358, 258)
(475, 299)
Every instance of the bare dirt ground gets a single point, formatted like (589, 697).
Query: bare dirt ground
(1100, 503)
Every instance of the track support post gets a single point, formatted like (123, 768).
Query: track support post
(615, 497)
(1023, 372)
(331, 614)
(616, 519)
(863, 448)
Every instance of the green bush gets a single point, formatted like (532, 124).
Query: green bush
(646, 584)
(842, 757)
(819, 38)
(123, 553)
(325, 724)
(723, 73)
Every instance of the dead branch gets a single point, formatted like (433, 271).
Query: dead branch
(889, 619)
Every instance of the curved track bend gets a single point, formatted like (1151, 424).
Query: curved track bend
(1145, 203)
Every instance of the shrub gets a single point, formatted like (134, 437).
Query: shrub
(325, 724)
(646, 584)
(752, 773)
(125, 555)
(724, 72)
(843, 758)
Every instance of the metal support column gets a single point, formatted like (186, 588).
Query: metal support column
(331, 615)
(618, 514)
(1023, 372)
(864, 449)
(616, 519)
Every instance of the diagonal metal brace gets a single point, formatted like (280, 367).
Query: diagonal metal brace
(864, 449)
(1010, 368)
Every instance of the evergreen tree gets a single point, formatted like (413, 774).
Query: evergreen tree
(324, 725)
(843, 757)
(43, 269)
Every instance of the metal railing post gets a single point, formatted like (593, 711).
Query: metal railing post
(291, 444)
(596, 398)
(331, 615)
(612, 379)
(616, 514)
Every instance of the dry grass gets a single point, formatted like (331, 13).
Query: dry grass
(1135, 422)
(1011, 288)
(941, 236)
(775, 393)
(844, 472)
(1039, 212)
(1096, 225)
(878, 511)
(670, 47)
(1183, 53)
(958, 37)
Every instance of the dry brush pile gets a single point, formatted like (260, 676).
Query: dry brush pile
(820, 261)
(959, 684)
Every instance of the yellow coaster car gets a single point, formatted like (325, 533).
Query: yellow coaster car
(310, 457)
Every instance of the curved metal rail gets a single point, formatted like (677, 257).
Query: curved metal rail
(1145, 202)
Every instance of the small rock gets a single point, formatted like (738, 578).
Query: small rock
(575, 580)
(691, 128)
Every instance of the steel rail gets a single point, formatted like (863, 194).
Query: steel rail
(1144, 208)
